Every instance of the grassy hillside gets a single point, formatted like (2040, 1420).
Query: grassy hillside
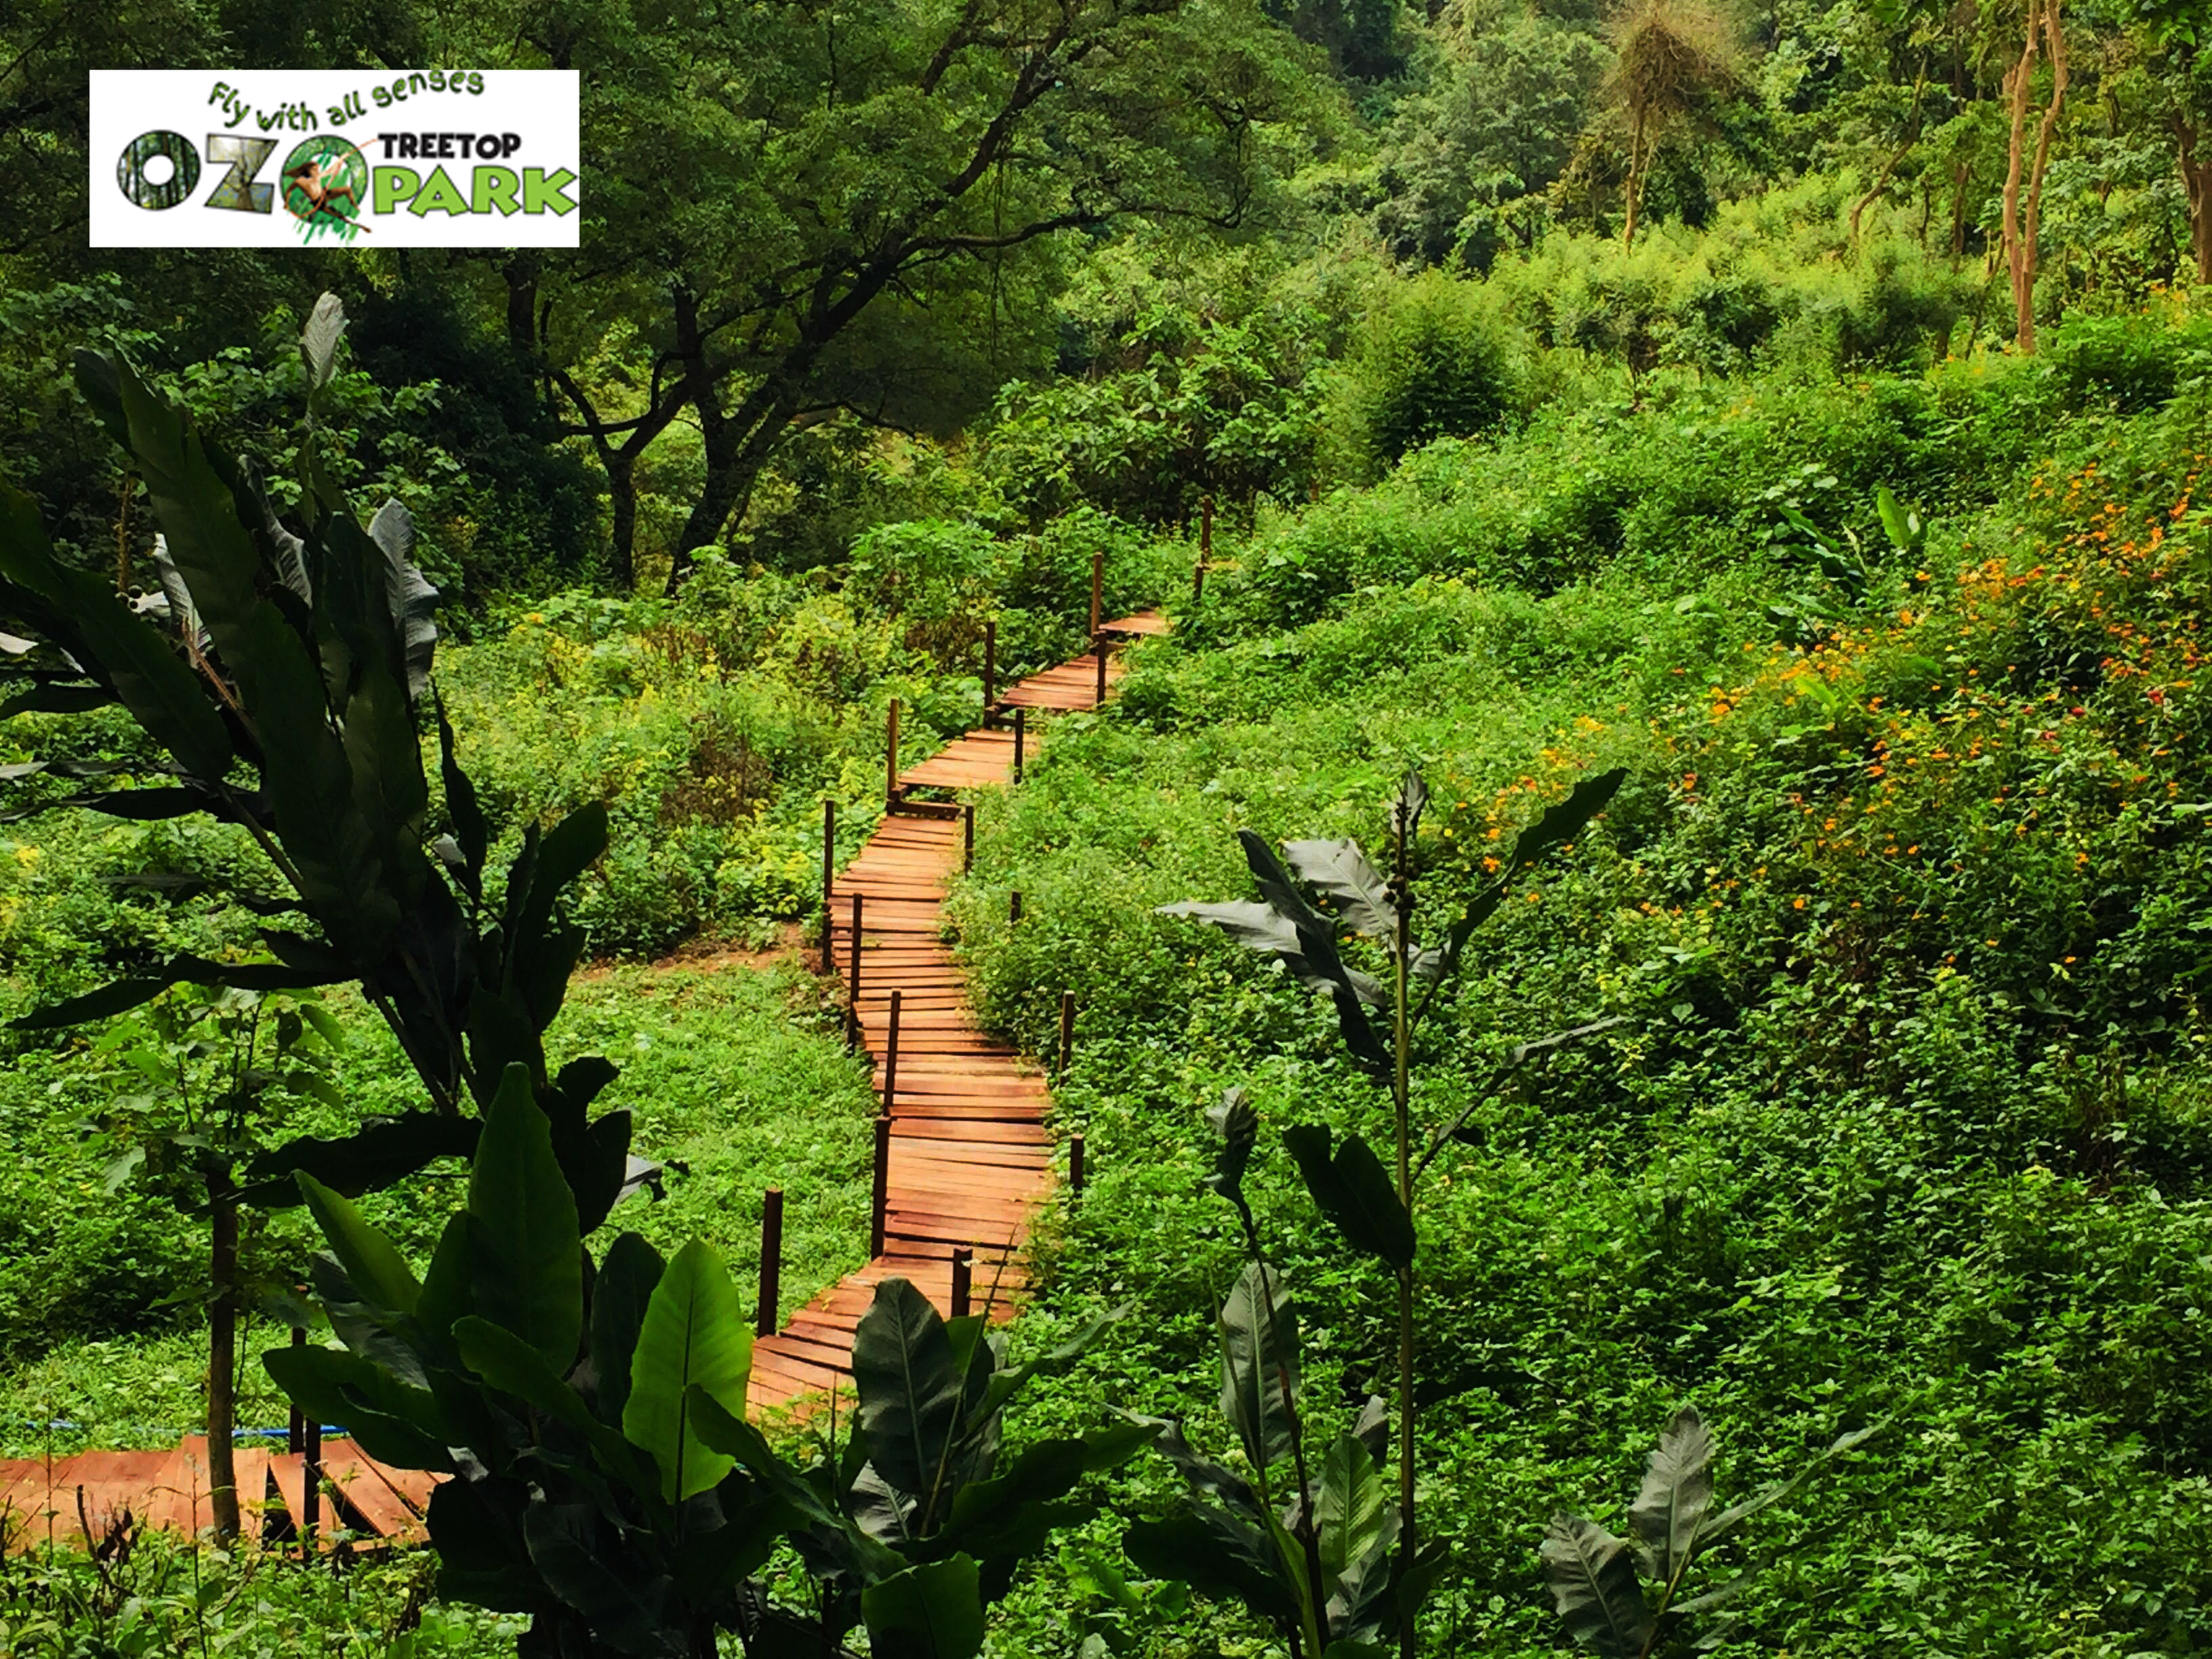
(1904, 909)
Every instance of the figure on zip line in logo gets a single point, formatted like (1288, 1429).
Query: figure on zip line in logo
(324, 179)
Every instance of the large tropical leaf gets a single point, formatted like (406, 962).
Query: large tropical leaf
(933, 1611)
(1354, 1516)
(1355, 1193)
(414, 602)
(1216, 1553)
(911, 1385)
(1677, 1487)
(1564, 820)
(1260, 1365)
(1341, 870)
(508, 1364)
(526, 1253)
(379, 1273)
(621, 1292)
(368, 1160)
(693, 1334)
(1237, 1122)
(162, 693)
(1718, 1526)
(319, 340)
(1593, 1581)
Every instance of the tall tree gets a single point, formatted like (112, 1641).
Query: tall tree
(821, 207)
(2039, 27)
(1673, 60)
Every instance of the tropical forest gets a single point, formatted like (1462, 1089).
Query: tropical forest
(1153, 829)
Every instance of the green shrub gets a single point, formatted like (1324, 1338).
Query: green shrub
(1432, 359)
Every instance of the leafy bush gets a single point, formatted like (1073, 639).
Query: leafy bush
(1432, 359)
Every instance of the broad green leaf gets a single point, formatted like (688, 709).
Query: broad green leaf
(1237, 1123)
(395, 1422)
(164, 695)
(1719, 1526)
(693, 1334)
(480, 1559)
(930, 1612)
(471, 833)
(1355, 1193)
(413, 601)
(620, 1295)
(508, 1364)
(526, 1253)
(368, 1160)
(1678, 1486)
(1260, 1365)
(1562, 822)
(1341, 870)
(1216, 1554)
(1353, 1511)
(911, 1384)
(379, 1276)
(319, 340)
(1593, 1583)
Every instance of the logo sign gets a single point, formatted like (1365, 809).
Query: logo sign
(301, 158)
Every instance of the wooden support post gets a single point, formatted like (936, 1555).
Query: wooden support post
(968, 838)
(1013, 906)
(890, 1057)
(853, 992)
(311, 1484)
(1097, 590)
(1019, 721)
(879, 1208)
(1066, 1030)
(1205, 547)
(963, 1279)
(990, 672)
(891, 757)
(828, 878)
(771, 1261)
(1075, 1164)
(295, 1431)
(1099, 650)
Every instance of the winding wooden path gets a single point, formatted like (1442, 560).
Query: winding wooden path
(970, 1159)
(970, 1155)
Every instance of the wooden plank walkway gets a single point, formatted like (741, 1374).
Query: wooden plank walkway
(970, 1154)
(970, 1159)
(168, 1492)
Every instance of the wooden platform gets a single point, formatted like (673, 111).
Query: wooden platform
(970, 1155)
(168, 1492)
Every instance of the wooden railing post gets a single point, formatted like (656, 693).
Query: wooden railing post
(852, 992)
(963, 1272)
(990, 672)
(1019, 723)
(1066, 1030)
(771, 1261)
(828, 878)
(311, 1485)
(1013, 906)
(1099, 651)
(968, 838)
(890, 757)
(1075, 1164)
(890, 1056)
(881, 1203)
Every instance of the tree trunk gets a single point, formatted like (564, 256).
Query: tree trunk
(622, 491)
(1635, 179)
(2020, 228)
(2196, 180)
(222, 1355)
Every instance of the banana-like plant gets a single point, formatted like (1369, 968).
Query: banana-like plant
(1370, 1207)
(284, 670)
(592, 1416)
(1622, 1598)
(1307, 1542)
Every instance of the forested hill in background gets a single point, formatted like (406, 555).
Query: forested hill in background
(844, 264)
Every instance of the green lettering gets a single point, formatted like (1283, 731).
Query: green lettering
(393, 185)
(540, 191)
(439, 194)
(495, 187)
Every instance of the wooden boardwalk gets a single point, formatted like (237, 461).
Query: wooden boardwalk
(970, 1157)
(168, 1492)
(970, 1154)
